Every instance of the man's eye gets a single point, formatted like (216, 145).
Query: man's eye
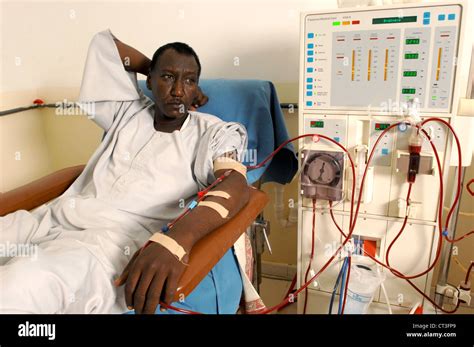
(190, 80)
(167, 77)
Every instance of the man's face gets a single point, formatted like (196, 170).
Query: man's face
(174, 83)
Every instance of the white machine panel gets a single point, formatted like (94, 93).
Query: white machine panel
(360, 72)
(370, 58)
(325, 245)
(400, 293)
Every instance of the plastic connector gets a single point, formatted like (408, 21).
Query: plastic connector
(192, 204)
(464, 293)
(447, 290)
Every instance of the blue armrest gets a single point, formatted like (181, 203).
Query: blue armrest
(254, 104)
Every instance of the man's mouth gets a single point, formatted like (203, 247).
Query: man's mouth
(175, 102)
(176, 106)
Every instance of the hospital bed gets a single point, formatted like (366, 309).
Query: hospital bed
(250, 102)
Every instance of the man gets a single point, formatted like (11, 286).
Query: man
(153, 160)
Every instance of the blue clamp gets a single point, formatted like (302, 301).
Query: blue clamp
(192, 204)
(165, 229)
(445, 232)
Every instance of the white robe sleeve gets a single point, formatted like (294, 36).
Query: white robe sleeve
(105, 82)
(217, 140)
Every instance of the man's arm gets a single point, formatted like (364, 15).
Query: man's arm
(132, 59)
(153, 274)
(202, 220)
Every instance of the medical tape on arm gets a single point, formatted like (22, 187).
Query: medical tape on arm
(170, 244)
(216, 207)
(230, 164)
(218, 193)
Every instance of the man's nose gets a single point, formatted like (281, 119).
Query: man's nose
(177, 89)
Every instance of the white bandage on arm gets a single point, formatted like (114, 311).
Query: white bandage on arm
(218, 193)
(216, 207)
(170, 244)
(224, 163)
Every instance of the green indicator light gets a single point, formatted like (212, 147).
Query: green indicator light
(412, 41)
(408, 91)
(409, 73)
(335, 24)
(381, 126)
(434, 97)
(317, 124)
(411, 55)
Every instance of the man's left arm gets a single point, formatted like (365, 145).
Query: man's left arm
(155, 272)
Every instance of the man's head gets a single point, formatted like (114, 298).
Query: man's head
(173, 79)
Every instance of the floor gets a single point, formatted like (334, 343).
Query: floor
(273, 291)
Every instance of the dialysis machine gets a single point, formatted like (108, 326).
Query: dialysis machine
(362, 70)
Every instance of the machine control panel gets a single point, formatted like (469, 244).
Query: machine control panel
(374, 58)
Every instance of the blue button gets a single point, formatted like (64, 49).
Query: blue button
(309, 80)
(309, 69)
(310, 52)
(310, 35)
(337, 139)
(309, 103)
(310, 60)
(451, 16)
(384, 151)
(309, 86)
(310, 46)
(309, 93)
(441, 17)
(426, 21)
(426, 15)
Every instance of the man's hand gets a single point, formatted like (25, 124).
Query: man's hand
(150, 276)
(200, 100)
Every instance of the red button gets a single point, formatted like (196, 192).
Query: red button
(355, 22)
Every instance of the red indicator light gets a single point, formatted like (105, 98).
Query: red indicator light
(355, 22)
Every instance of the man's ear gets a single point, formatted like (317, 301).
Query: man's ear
(148, 82)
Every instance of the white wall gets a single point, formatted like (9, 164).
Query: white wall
(45, 43)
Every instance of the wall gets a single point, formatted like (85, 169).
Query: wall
(24, 157)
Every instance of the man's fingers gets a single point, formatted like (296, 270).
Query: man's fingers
(154, 294)
(131, 284)
(141, 290)
(123, 277)
(171, 285)
(201, 99)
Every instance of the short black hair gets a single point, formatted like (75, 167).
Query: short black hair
(179, 47)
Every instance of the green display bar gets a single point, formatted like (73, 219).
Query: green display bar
(411, 55)
(381, 126)
(408, 91)
(317, 124)
(412, 41)
(390, 20)
(409, 73)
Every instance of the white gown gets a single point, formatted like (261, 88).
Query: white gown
(136, 181)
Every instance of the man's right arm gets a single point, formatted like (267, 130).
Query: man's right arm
(132, 59)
